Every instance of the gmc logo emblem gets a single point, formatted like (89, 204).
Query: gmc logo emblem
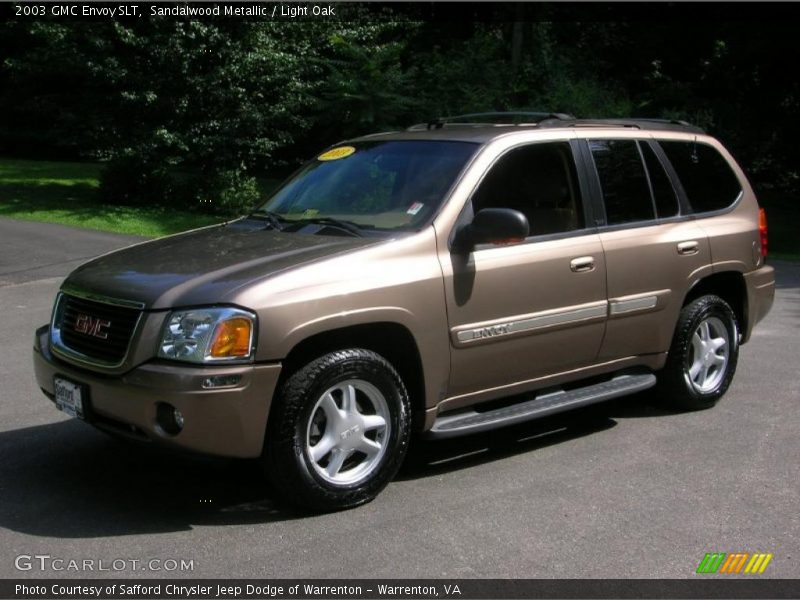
(93, 326)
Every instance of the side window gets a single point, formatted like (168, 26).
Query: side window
(663, 193)
(708, 180)
(541, 182)
(626, 193)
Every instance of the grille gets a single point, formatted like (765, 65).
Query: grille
(107, 342)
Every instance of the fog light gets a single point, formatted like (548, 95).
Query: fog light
(169, 418)
(219, 381)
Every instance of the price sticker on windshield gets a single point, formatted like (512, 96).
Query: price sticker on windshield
(415, 208)
(337, 153)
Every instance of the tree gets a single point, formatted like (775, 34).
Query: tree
(188, 110)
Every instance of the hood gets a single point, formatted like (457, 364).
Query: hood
(203, 266)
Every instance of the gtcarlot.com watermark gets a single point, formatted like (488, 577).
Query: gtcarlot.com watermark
(46, 562)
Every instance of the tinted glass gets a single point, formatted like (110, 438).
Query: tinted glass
(622, 178)
(539, 181)
(663, 193)
(385, 185)
(708, 180)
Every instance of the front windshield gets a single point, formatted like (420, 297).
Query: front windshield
(382, 185)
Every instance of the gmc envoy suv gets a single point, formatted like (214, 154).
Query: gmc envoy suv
(458, 276)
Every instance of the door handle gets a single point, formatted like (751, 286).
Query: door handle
(582, 264)
(691, 247)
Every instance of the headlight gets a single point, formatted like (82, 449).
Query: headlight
(208, 335)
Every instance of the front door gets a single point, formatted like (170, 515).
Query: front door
(524, 311)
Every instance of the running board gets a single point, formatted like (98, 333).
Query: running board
(464, 423)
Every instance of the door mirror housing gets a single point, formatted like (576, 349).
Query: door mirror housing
(492, 226)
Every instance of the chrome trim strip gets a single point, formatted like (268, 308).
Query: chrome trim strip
(617, 307)
(70, 291)
(58, 347)
(531, 322)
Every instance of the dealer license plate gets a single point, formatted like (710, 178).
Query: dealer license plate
(69, 397)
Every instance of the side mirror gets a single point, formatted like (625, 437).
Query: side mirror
(492, 226)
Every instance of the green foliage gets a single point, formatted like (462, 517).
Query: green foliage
(164, 98)
(227, 192)
(162, 95)
(365, 86)
(466, 76)
(66, 192)
(226, 94)
(480, 73)
(225, 97)
(133, 181)
(48, 106)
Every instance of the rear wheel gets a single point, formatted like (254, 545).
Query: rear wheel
(339, 430)
(703, 356)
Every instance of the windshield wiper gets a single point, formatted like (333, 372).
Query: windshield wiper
(274, 220)
(348, 226)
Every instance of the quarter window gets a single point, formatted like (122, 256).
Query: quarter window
(705, 175)
(623, 182)
(541, 182)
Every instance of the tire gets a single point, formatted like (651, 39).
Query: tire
(338, 431)
(703, 356)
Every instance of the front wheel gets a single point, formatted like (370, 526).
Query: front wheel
(703, 356)
(339, 430)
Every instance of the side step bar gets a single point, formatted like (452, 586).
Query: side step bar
(463, 423)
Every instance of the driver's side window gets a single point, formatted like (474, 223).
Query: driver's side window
(540, 181)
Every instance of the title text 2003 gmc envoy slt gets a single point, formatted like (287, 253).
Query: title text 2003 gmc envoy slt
(447, 279)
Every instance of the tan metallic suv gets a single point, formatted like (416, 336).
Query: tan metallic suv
(408, 281)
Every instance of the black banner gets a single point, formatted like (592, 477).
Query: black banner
(294, 10)
(203, 589)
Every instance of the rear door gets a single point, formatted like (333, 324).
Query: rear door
(654, 249)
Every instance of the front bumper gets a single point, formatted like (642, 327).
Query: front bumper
(228, 421)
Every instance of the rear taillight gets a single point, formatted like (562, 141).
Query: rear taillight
(762, 230)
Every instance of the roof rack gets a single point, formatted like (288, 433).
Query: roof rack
(548, 120)
(636, 123)
(491, 118)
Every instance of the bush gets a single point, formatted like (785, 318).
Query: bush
(132, 181)
(225, 192)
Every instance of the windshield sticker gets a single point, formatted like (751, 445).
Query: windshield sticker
(414, 208)
(310, 212)
(337, 153)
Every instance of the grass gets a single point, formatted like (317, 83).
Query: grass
(67, 193)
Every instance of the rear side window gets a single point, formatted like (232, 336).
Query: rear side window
(626, 193)
(706, 176)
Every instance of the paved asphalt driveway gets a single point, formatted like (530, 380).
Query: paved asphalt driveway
(622, 490)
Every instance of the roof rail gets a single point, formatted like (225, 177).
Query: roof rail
(549, 120)
(491, 118)
(634, 123)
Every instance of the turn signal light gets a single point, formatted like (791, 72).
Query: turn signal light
(232, 338)
(762, 230)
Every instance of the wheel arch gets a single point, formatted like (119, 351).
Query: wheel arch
(392, 340)
(731, 287)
